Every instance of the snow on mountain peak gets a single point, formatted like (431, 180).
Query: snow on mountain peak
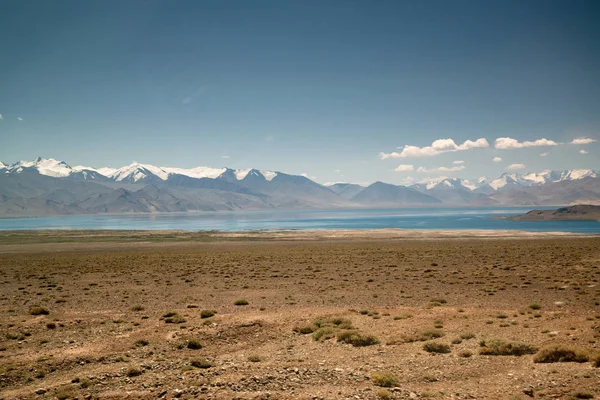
(197, 172)
(241, 173)
(581, 173)
(45, 166)
(269, 175)
(137, 171)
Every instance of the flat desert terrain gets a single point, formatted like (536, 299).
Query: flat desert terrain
(327, 315)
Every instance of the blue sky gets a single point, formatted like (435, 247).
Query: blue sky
(328, 88)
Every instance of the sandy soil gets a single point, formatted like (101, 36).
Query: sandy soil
(106, 335)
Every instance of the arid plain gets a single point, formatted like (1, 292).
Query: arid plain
(396, 315)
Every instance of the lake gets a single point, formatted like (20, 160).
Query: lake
(407, 218)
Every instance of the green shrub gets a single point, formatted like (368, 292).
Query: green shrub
(207, 313)
(384, 394)
(324, 334)
(436, 347)
(194, 344)
(37, 310)
(204, 364)
(131, 372)
(384, 379)
(503, 348)
(173, 318)
(562, 354)
(356, 339)
(465, 354)
(424, 335)
(305, 329)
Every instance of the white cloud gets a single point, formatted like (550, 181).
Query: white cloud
(225, 157)
(437, 147)
(20, 119)
(505, 143)
(583, 140)
(337, 170)
(544, 154)
(432, 179)
(451, 169)
(458, 162)
(582, 152)
(516, 166)
(404, 168)
(1, 116)
(497, 159)
(443, 169)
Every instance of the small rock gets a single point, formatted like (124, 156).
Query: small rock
(528, 392)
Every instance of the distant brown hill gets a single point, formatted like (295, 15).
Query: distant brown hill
(574, 213)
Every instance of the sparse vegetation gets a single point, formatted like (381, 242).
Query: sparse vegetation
(421, 336)
(496, 347)
(173, 318)
(384, 394)
(384, 379)
(356, 339)
(319, 291)
(555, 354)
(207, 313)
(203, 364)
(194, 344)
(37, 310)
(133, 371)
(436, 347)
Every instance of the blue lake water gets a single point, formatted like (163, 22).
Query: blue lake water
(407, 218)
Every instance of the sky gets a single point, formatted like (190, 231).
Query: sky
(342, 91)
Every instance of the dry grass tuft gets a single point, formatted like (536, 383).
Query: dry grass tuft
(384, 379)
(37, 310)
(562, 354)
(498, 347)
(436, 347)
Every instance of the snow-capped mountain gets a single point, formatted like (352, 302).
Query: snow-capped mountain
(132, 173)
(48, 167)
(51, 187)
(511, 180)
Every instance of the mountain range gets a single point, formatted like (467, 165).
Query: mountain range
(45, 187)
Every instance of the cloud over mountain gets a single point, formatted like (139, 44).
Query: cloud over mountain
(505, 143)
(437, 147)
(516, 166)
(583, 140)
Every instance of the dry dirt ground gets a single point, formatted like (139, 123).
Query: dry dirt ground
(128, 316)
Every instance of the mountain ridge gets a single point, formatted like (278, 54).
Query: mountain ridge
(52, 187)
